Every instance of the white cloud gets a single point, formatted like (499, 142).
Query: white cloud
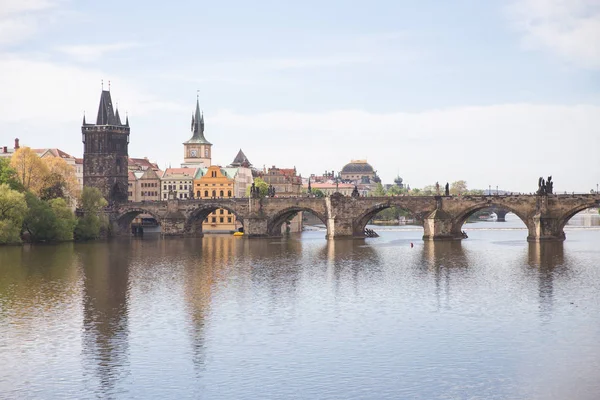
(91, 53)
(20, 19)
(569, 28)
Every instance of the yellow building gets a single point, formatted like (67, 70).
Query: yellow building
(212, 183)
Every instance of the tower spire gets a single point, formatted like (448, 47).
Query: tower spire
(83, 117)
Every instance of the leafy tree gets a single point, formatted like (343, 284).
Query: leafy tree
(89, 225)
(8, 175)
(428, 190)
(263, 187)
(379, 191)
(13, 208)
(31, 170)
(65, 219)
(61, 180)
(318, 193)
(458, 188)
(40, 220)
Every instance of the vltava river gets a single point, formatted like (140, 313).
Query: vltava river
(221, 317)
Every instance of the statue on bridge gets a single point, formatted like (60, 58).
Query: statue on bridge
(355, 192)
(271, 191)
(545, 187)
(447, 189)
(437, 188)
(253, 191)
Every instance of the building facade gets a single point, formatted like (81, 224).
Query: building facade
(105, 152)
(177, 183)
(216, 182)
(285, 181)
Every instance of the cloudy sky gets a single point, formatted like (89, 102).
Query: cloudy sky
(495, 92)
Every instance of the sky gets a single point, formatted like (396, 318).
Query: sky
(495, 92)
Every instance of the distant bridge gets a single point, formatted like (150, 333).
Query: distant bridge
(346, 217)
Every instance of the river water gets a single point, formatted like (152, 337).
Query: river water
(221, 317)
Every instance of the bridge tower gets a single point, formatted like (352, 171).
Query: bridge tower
(105, 152)
(197, 150)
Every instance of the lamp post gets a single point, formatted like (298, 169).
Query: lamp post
(596, 188)
(490, 190)
(497, 190)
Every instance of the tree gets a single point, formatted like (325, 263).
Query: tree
(40, 220)
(89, 225)
(13, 208)
(31, 170)
(60, 181)
(65, 219)
(263, 187)
(458, 188)
(8, 175)
(379, 191)
(318, 193)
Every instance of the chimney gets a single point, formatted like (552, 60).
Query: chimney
(16, 143)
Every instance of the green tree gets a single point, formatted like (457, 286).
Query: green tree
(379, 191)
(263, 187)
(13, 208)
(40, 220)
(318, 193)
(8, 175)
(65, 219)
(89, 225)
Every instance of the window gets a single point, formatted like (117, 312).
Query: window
(221, 193)
(221, 211)
(198, 194)
(185, 187)
(229, 193)
(180, 187)
(165, 187)
(181, 195)
(221, 220)
(228, 212)
(185, 195)
(229, 219)
(214, 193)
(164, 195)
(206, 220)
(214, 219)
(206, 193)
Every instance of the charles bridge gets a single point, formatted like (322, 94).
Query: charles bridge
(346, 217)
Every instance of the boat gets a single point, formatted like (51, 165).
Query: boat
(238, 233)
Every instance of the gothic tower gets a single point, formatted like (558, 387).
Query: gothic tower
(105, 154)
(197, 149)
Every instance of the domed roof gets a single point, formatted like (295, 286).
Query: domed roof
(358, 166)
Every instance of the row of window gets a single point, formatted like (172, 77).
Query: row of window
(221, 220)
(221, 211)
(151, 184)
(149, 193)
(174, 187)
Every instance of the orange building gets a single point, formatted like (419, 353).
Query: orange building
(211, 183)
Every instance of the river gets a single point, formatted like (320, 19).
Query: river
(221, 317)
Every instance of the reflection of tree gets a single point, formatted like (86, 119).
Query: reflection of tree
(105, 308)
(547, 258)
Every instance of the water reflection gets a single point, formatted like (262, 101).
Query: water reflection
(105, 341)
(440, 258)
(548, 260)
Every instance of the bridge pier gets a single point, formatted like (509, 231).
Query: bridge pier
(438, 226)
(256, 227)
(341, 228)
(545, 229)
(501, 214)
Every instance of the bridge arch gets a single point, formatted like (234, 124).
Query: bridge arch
(563, 220)
(361, 221)
(197, 216)
(462, 217)
(126, 217)
(275, 222)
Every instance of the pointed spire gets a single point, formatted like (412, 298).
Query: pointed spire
(84, 118)
(106, 115)
(126, 118)
(117, 117)
(198, 126)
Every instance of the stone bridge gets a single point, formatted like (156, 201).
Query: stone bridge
(346, 217)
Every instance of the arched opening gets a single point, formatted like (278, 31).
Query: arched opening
(585, 216)
(138, 222)
(229, 193)
(220, 193)
(198, 194)
(483, 217)
(214, 219)
(388, 217)
(295, 220)
(214, 193)
(206, 193)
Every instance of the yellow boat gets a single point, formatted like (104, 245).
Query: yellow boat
(238, 234)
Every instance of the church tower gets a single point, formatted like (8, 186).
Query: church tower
(105, 152)
(197, 150)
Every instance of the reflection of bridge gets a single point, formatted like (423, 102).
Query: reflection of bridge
(443, 217)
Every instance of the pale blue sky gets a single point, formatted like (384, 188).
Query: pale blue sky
(493, 92)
